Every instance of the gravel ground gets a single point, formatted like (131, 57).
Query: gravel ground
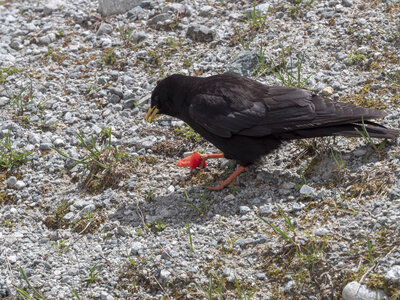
(318, 219)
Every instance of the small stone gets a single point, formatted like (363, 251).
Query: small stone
(114, 7)
(104, 28)
(360, 152)
(200, 33)
(347, 3)
(356, 291)
(260, 9)
(11, 182)
(393, 275)
(136, 13)
(105, 296)
(265, 210)
(121, 231)
(165, 276)
(327, 14)
(245, 64)
(45, 146)
(158, 19)
(87, 209)
(205, 11)
(69, 216)
(16, 45)
(260, 276)
(229, 197)
(3, 101)
(12, 259)
(139, 37)
(50, 6)
(328, 91)
(58, 142)
(289, 287)
(114, 99)
(136, 247)
(47, 39)
(244, 209)
(171, 189)
(19, 185)
(307, 190)
(130, 103)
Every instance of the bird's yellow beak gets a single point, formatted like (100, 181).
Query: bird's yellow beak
(151, 114)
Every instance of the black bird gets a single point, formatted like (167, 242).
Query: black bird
(246, 119)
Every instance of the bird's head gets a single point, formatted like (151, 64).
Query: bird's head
(166, 98)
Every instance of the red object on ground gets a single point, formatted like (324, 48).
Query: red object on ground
(192, 161)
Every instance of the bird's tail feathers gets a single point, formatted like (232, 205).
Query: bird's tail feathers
(374, 130)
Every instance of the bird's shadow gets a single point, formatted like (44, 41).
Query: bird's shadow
(259, 185)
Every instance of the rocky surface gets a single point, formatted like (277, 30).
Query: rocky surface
(302, 223)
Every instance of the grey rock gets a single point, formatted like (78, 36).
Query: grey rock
(136, 247)
(19, 185)
(260, 9)
(327, 14)
(59, 142)
(139, 37)
(205, 11)
(121, 231)
(50, 6)
(47, 39)
(245, 64)
(115, 7)
(229, 197)
(87, 209)
(356, 291)
(117, 91)
(3, 101)
(146, 142)
(347, 3)
(80, 203)
(45, 146)
(136, 13)
(11, 181)
(244, 209)
(360, 152)
(7, 58)
(244, 242)
(393, 275)
(105, 296)
(130, 103)
(165, 276)
(158, 19)
(200, 33)
(104, 28)
(114, 99)
(290, 286)
(261, 276)
(16, 45)
(69, 216)
(266, 210)
(307, 190)
(147, 4)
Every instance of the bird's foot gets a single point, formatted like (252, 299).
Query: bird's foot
(228, 181)
(221, 185)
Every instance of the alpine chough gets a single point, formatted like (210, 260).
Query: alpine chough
(246, 119)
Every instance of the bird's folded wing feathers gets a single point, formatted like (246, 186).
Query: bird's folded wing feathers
(279, 111)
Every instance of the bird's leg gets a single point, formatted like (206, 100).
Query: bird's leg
(204, 157)
(228, 180)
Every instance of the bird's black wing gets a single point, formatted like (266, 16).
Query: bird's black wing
(278, 110)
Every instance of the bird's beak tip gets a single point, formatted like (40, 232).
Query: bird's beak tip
(151, 113)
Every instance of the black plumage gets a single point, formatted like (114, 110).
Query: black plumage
(246, 119)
